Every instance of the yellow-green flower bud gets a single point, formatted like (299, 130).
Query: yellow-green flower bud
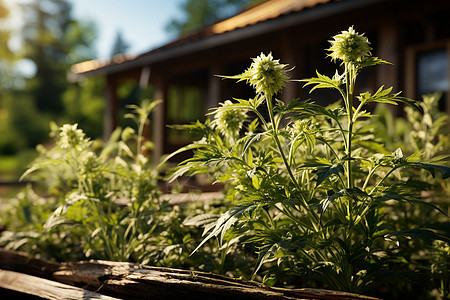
(266, 74)
(229, 120)
(72, 137)
(350, 47)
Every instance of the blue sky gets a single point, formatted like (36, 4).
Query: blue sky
(141, 22)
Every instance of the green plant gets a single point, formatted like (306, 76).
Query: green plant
(426, 133)
(91, 200)
(88, 185)
(311, 187)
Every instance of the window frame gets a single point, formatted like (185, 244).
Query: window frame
(411, 57)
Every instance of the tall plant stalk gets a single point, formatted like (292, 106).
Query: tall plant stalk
(350, 76)
(277, 139)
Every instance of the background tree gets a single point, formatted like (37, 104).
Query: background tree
(200, 13)
(8, 58)
(120, 45)
(51, 41)
(7, 81)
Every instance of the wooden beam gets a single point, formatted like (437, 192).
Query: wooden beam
(388, 49)
(111, 108)
(290, 54)
(44, 288)
(214, 92)
(159, 120)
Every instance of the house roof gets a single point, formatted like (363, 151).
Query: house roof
(265, 11)
(254, 20)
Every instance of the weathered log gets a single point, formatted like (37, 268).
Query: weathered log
(133, 281)
(24, 263)
(45, 288)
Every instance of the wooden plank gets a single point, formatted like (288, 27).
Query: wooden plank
(134, 281)
(22, 262)
(44, 288)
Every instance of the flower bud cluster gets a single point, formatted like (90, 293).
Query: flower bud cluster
(229, 120)
(349, 47)
(72, 137)
(266, 74)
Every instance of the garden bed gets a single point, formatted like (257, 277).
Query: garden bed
(111, 280)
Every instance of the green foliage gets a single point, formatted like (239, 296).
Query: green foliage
(84, 104)
(314, 193)
(103, 202)
(53, 41)
(31, 132)
(53, 44)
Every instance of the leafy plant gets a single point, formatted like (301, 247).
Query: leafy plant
(426, 133)
(311, 188)
(102, 201)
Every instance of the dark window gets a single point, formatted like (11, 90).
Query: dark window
(432, 72)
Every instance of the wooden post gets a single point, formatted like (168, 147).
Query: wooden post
(388, 49)
(289, 54)
(110, 120)
(214, 92)
(159, 120)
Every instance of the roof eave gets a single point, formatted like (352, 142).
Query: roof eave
(160, 55)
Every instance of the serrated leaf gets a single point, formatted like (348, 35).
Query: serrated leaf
(41, 164)
(407, 198)
(432, 168)
(266, 254)
(372, 61)
(201, 220)
(424, 234)
(181, 150)
(250, 140)
(323, 81)
(324, 172)
(324, 203)
(227, 219)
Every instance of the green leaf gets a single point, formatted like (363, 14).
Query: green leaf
(250, 140)
(256, 182)
(266, 254)
(432, 168)
(326, 171)
(323, 81)
(384, 96)
(424, 234)
(200, 220)
(207, 220)
(227, 219)
(324, 203)
(407, 198)
(189, 147)
(372, 61)
(41, 164)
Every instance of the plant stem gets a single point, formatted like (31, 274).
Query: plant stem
(350, 86)
(286, 163)
(382, 180)
(277, 140)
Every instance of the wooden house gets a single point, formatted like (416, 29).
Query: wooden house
(412, 34)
